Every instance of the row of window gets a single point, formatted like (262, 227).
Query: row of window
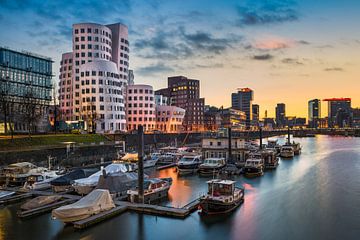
(130, 91)
(146, 112)
(135, 105)
(90, 30)
(65, 61)
(141, 98)
(95, 39)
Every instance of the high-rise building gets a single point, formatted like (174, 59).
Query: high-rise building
(25, 91)
(280, 117)
(90, 87)
(242, 100)
(314, 113)
(339, 112)
(255, 114)
(185, 93)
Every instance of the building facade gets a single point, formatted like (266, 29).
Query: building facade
(140, 107)
(233, 118)
(169, 119)
(339, 112)
(255, 115)
(280, 117)
(25, 91)
(93, 44)
(242, 100)
(314, 113)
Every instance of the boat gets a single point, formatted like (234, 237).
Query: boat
(133, 158)
(287, 151)
(222, 197)
(168, 158)
(85, 185)
(39, 181)
(296, 147)
(118, 183)
(254, 165)
(188, 164)
(4, 194)
(155, 189)
(211, 166)
(64, 183)
(40, 201)
(271, 161)
(16, 174)
(273, 145)
(95, 202)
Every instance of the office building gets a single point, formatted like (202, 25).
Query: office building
(242, 100)
(25, 91)
(339, 112)
(314, 113)
(93, 45)
(280, 117)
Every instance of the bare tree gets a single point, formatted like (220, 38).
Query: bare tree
(6, 106)
(90, 115)
(32, 111)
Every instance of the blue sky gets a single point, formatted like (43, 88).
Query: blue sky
(286, 50)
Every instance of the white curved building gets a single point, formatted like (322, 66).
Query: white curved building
(102, 101)
(169, 118)
(92, 44)
(140, 107)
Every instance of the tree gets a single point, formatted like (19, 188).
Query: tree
(89, 115)
(32, 110)
(6, 105)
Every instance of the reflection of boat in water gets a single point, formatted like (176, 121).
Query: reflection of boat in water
(63, 183)
(188, 164)
(155, 189)
(287, 151)
(95, 202)
(254, 166)
(211, 166)
(222, 197)
(85, 185)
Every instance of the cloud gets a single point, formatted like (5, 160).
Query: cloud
(274, 43)
(293, 61)
(334, 69)
(303, 42)
(263, 57)
(153, 69)
(215, 65)
(267, 12)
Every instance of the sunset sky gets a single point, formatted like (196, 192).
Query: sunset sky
(286, 51)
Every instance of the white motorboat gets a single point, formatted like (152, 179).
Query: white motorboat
(155, 189)
(40, 181)
(16, 174)
(189, 164)
(211, 166)
(254, 165)
(287, 151)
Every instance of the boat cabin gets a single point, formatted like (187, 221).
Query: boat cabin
(217, 187)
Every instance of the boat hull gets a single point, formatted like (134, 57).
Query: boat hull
(155, 196)
(253, 172)
(209, 171)
(211, 207)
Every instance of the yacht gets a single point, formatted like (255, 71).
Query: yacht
(254, 166)
(39, 181)
(222, 197)
(189, 164)
(155, 189)
(16, 174)
(287, 151)
(211, 166)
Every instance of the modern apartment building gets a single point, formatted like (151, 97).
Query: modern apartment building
(314, 113)
(93, 45)
(280, 115)
(242, 100)
(339, 112)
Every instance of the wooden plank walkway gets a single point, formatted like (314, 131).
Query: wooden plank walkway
(43, 209)
(99, 217)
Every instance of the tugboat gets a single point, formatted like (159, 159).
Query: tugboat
(188, 164)
(287, 151)
(270, 159)
(222, 197)
(211, 166)
(254, 166)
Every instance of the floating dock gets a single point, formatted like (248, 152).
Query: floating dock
(15, 198)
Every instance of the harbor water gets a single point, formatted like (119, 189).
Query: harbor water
(313, 196)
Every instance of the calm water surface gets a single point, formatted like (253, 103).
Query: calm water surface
(314, 196)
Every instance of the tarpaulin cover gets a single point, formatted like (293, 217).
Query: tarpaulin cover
(40, 201)
(118, 182)
(69, 178)
(95, 202)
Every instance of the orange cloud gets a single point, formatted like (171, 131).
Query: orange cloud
(274, 43)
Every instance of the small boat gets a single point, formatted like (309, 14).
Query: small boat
(95, 202)
(40, 181)
(133, 158)
(211, 166)
(16, 174)
(273, 145)
(63, 183)
(40, 202)
(271, 161)
(287, 151)
(254, 166)
(188, 164)
(296, 147)
(85, 185)
(155, 189)
(222, 197)
(4, 194)
(168, 158)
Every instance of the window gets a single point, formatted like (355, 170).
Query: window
(89, 30)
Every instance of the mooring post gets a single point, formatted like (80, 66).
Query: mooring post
(141, 164)
(230, 160)
(288, 134)
(260, 136)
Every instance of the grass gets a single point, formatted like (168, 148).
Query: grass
(24, 141)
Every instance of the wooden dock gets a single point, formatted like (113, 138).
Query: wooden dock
(15, 198)
(99, 217)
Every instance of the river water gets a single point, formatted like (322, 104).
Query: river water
(314, 196)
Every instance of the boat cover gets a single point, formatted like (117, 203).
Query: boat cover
(130, 157)
(40, 201)
(69, 178)
(93, 179)
(118, 182)
(95, 202)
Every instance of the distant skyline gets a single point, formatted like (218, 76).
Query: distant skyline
(286, 51)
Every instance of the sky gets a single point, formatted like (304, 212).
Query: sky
(285, 50)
